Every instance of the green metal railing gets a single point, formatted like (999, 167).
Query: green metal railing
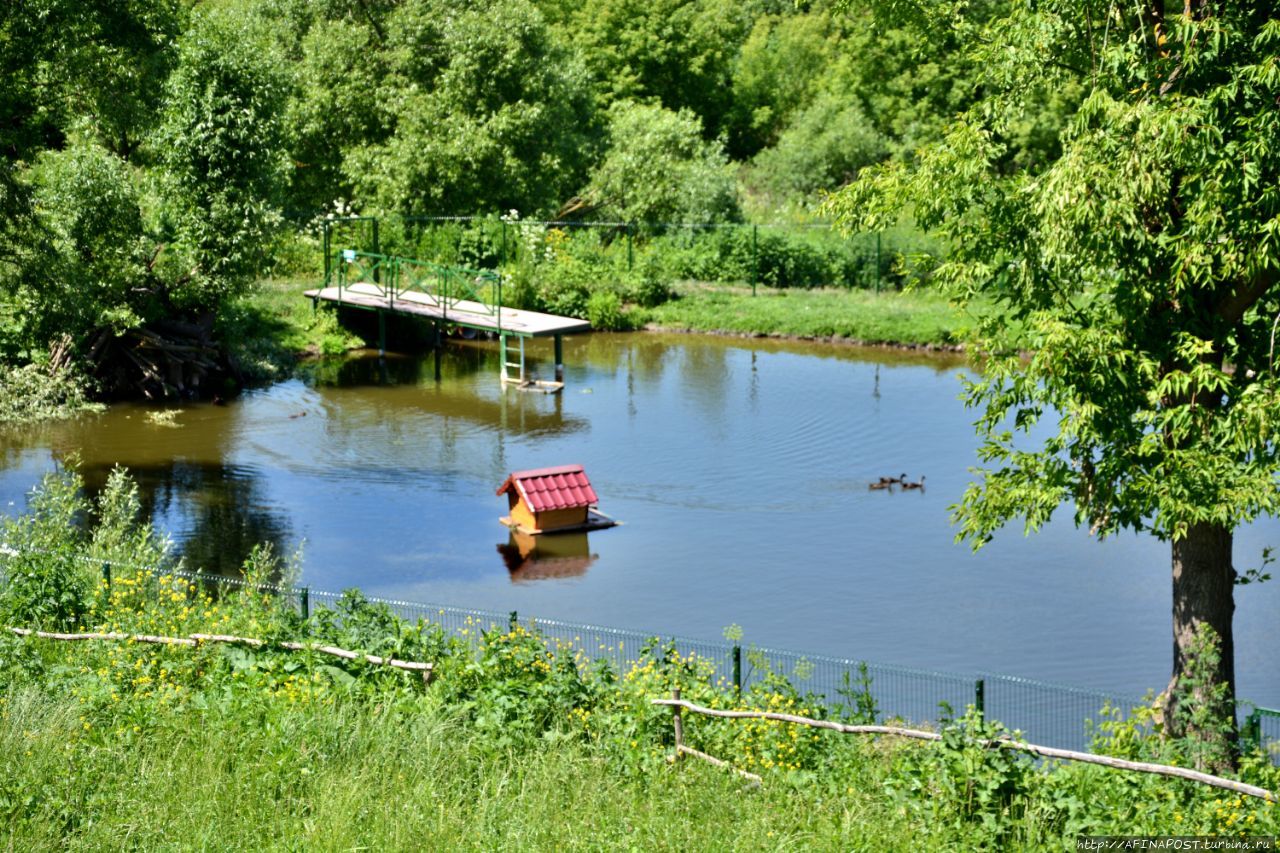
(392, 277)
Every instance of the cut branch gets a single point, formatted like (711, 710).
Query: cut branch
(1045, 751)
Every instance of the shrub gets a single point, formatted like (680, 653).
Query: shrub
(30, 392)
(604, 311)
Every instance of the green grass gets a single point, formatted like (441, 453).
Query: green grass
(274, 325)
(245, 776)
(913, 318)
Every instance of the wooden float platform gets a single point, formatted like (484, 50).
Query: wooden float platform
(596, 520)
(465, 313)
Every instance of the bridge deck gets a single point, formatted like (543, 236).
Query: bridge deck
(472, 315)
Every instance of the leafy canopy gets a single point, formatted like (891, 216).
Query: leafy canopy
(1137, 266)
(658, 168)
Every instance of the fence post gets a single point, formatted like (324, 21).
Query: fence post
(1253, 730)
(737, 668)
(304, 602)
(377, 274)
(326, 242)
(980, 696)
(677, 721)
(755, 257)
(515, 620)
(877, 262)
(106, 577)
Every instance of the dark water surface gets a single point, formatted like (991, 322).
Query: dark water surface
(739, 468)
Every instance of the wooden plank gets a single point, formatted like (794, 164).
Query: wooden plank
(472, 315)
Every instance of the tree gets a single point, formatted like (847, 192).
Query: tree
(480, 109)
(1138, 266)
(658, 168)
(678, 53)
(221, 150)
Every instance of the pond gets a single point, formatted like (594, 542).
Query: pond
(739, 468)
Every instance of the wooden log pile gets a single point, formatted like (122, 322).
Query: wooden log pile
(169, 359)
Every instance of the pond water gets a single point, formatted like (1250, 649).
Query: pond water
(740, 469)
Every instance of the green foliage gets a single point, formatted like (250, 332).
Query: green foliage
(97, 272)
(479, 108)
(659, 169)
(782, 65)
(284, 746)
(604, 311)
(221, 148)
(822, 149)
(1135, 296)
(671, 53)
(1119, 259)
(919, 318)
(968, 780)
(46, 585)
(30, 393)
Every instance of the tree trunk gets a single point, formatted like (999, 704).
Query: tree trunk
(1200, 701)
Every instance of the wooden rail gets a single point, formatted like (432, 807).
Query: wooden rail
(196, 639)
(677, 705)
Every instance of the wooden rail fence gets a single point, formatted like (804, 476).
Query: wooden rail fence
(196, 639)
(678, 705)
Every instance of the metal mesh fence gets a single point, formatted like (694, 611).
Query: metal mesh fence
(1045, 713)
(773, 255)
(1268, 731)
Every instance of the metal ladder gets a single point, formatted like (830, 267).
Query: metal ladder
(506, 365)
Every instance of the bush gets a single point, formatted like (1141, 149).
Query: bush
(659, 168)
(30, 393)
(604, 311)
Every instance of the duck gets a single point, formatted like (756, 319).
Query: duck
(889, 481)
(883, 484)
(917, 485)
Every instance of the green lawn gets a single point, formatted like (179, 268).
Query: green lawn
(912, 317)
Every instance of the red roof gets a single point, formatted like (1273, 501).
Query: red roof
(561, 487)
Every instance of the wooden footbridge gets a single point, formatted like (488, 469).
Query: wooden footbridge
(447, 297)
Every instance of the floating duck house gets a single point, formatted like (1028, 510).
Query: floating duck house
(547, 500)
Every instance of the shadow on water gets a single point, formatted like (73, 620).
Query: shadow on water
(534, 558)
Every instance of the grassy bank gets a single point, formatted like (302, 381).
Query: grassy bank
(267, 330)
(517, 743)
(913, 318)
(249, 773)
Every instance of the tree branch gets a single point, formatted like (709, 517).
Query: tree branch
(1246, 295)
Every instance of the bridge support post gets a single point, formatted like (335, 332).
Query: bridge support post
(559, 358)
(438, 345)
(382, 333)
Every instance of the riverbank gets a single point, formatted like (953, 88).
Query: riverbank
(31, 392)
(909, 319)
(275, 324)
(517, 741)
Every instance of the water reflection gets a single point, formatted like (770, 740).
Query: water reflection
(558, 555)
(218, 513)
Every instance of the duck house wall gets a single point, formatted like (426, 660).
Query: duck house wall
(554, 519)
